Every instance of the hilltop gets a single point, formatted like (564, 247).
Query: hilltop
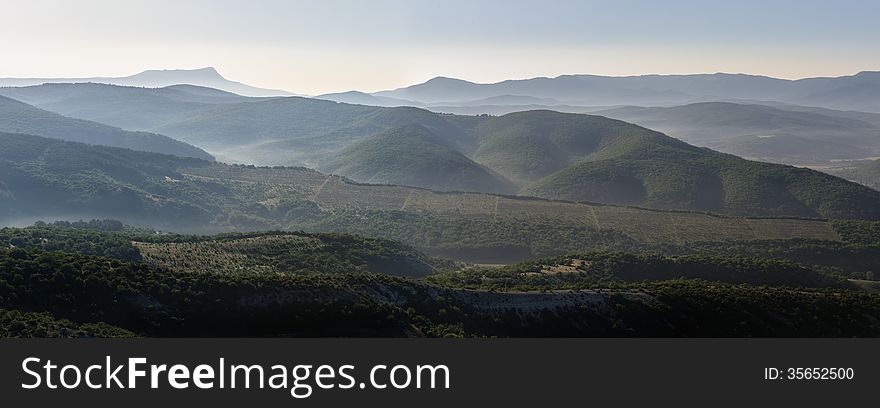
(412, 155)
(591, 158)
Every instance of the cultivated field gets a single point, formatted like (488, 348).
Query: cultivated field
(336, 194)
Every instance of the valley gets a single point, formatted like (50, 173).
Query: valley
(379, 220)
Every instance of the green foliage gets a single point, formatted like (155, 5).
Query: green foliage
(858, 232)
(477, 240)
(649, 169)
(53, 177)
(412, 155)
(102, 238)
(866, 173)
(546, 154)
(45, 176)
(837, 258)
(288, 253)
(14, 323)
(779, 134)
(157, 302)
(595, 270)
(723, 310)
(17, 117)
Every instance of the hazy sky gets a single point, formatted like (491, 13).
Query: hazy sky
(312, 47)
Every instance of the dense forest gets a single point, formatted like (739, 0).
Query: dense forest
(103, 278)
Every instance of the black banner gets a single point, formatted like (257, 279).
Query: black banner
(500, 372)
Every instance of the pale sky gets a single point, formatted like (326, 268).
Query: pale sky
(312, 47)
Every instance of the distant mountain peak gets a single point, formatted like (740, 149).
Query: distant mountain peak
(200, 74)
(443, 79)
(207, 77)
(205, 69)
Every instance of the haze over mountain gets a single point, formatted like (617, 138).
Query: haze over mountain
(763, 132)
(412, 155)
(132, 108)
(867, 173)
(205, 77)
(751, 116)
(539, 153)
(856, 92)
(18, 117)
(178, 203)
(52, 178)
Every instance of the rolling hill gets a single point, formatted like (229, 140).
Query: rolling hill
(592, 158)
(579, 157)
(762, 132)
(300, 131)
(203, 77)
(543, 153)
(118, 298)
(49, 176)
(856, 92)
(18, 117)
(52, 179)
(617, 162)
(362, 98)
(130, 108)
(867, 173)
(412, 155)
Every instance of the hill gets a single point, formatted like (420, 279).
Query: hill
(126, 107)
(867, 173)
(152, 301)
(591, 158)
(51, 179)
(18, 324)
(529, 146)
(48, 176)
(524, 148)
(361, 98)
(581, 271)
(855, 92)
(299, 131)
(761, 132)
(231, 253)
(203, 77)
(18, 117)
(412, 155)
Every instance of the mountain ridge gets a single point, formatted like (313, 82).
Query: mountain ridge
(656, 89)
(208, 77)
(19, 117)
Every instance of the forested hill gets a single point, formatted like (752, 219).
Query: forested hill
(543, 153)
(592, 158)
(52, 179)
(18, 117)
(44, 293)
(412, 155)
(537, 153)
(867, 173)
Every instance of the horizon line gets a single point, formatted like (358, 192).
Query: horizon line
(654, 74)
